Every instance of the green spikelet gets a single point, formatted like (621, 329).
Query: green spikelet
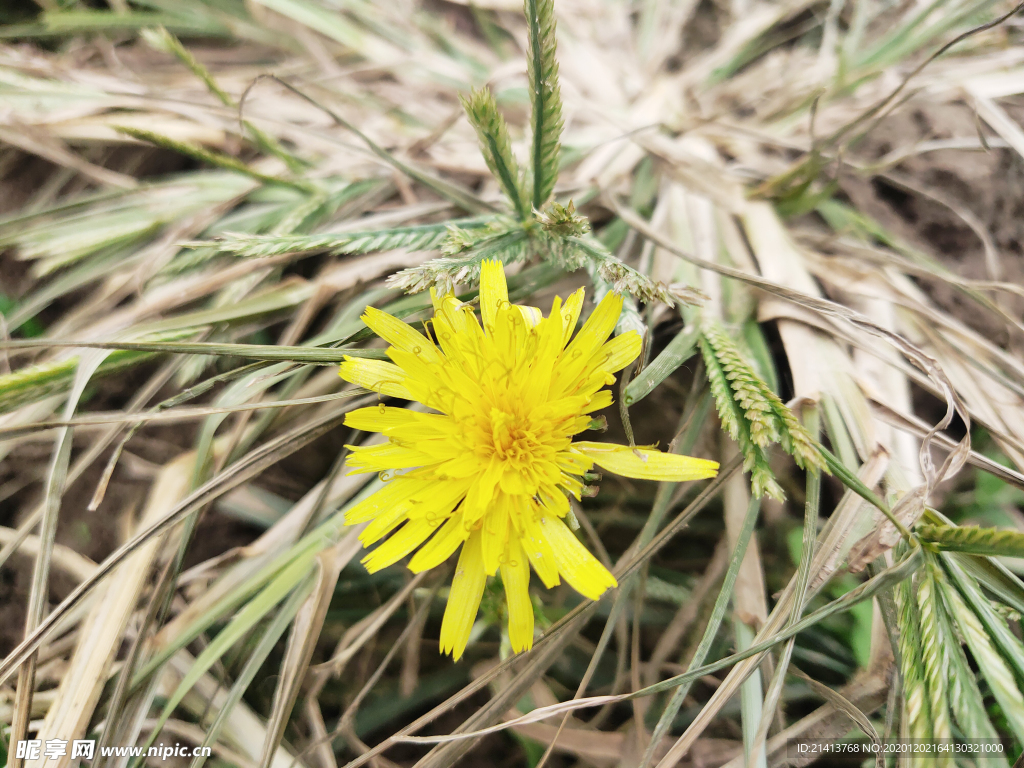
(734, 421)
(545, 98)
(751, 412)
(917, 704)
(747, 389)
(935, 667)
(795, 440)
(971, 538)
(492, 131)
(262, 246)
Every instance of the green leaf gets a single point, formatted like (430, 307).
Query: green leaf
(545, 98)
(1009, 646)
(990, 662)
(965, 698)
(675, 353)
(492, 131)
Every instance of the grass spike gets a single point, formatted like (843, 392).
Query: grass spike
(917, 704)
(545, 98)
(965, 698)
(492, 131)
(972, 539)
(336, 243)
(203, 155)
(934, 660)
(734, 421)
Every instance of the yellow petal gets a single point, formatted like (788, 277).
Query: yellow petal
(482, 490)
(441, 545)
(647, 463)
(400, 334)
(384, 523)
(577, 356)
(380, 458)
(598, 401)
(538, 551)
(548, 343)
(617, 353)
(380, 418)
(598, 327)
(375, 375)
(571, 315)
(495, 534)
(515, 574)
(580, 568)
(493, 291)
(464, 598)
(410, 536)
(532, 315)
(391, 495)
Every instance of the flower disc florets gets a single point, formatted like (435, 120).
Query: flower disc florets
(493, 467)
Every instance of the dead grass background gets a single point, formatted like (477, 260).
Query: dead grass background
(858, 229)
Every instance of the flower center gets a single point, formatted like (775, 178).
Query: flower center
(511, 440)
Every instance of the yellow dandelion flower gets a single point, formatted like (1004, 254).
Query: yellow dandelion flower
(491, 469)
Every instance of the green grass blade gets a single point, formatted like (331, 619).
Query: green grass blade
(676, 352)
(965, 698)
(314, 355)
(203, 155)
(293, 579)
(995, 626)
(668, 715)
(990, 662)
